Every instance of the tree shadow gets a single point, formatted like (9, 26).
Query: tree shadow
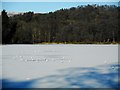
(97, 77)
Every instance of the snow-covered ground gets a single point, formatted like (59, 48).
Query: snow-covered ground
(27, 63)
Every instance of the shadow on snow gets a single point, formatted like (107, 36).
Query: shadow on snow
(97, 77)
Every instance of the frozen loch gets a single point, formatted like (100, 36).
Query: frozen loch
(59, 66)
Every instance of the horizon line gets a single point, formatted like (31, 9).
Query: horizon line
(50, 11)
(46, 7)
(60, 1)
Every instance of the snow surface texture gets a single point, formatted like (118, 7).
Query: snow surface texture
(97, 77)
(39, 66)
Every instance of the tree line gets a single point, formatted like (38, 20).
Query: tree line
(82, 24)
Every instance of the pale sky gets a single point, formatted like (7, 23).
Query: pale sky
(60, 0)
(44, 7)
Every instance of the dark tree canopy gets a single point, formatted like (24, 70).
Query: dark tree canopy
(82, 24)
